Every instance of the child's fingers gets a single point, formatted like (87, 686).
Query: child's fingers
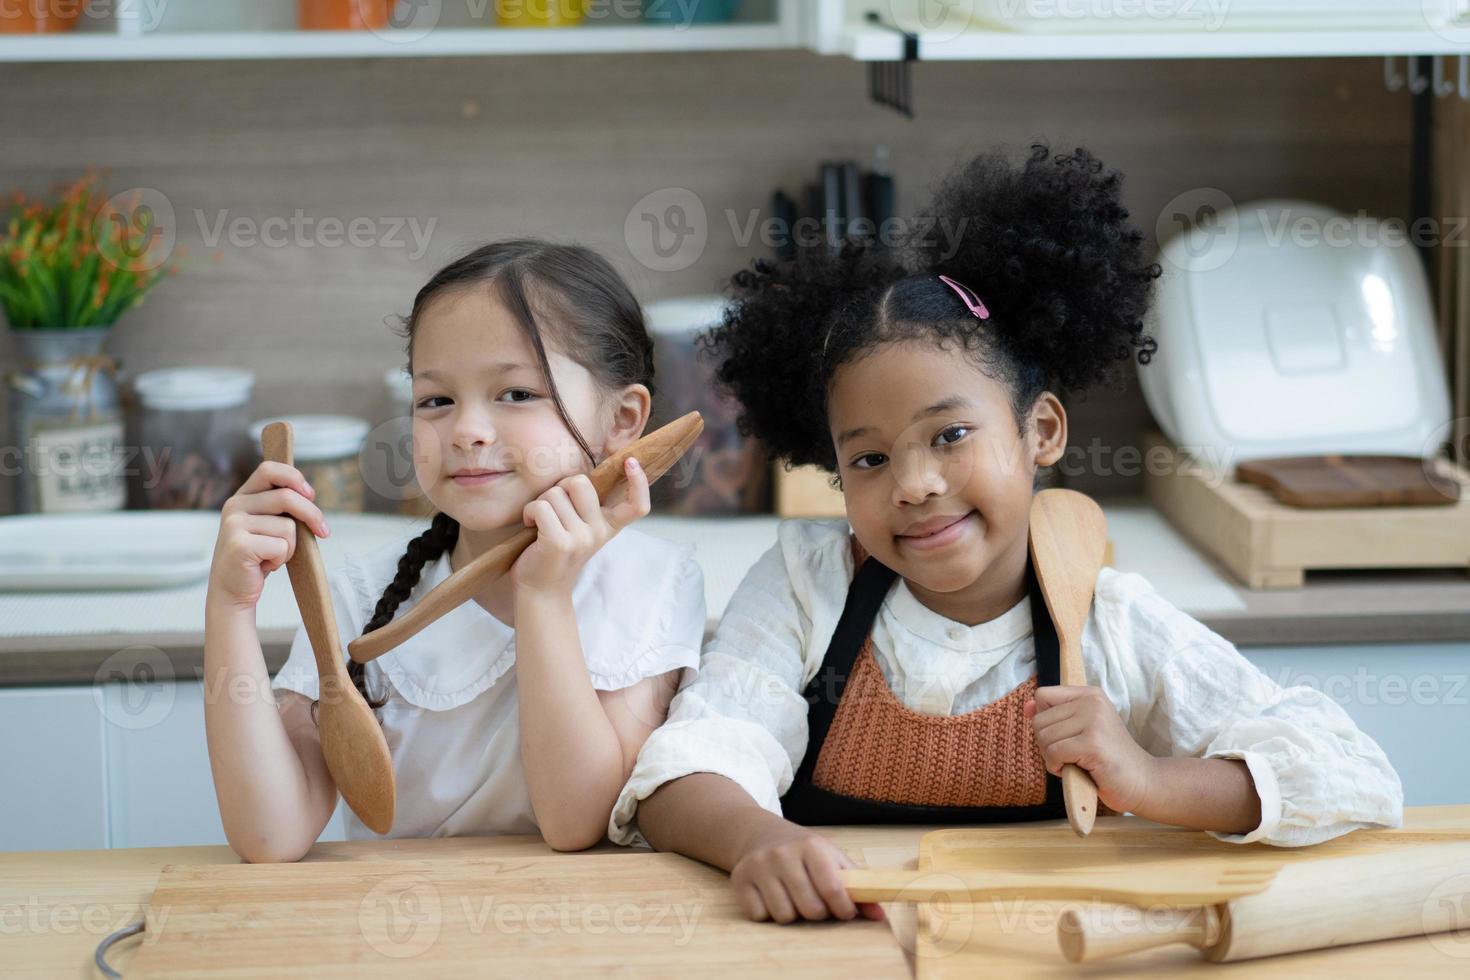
(283, 500)
(1045, 717)
(777, 902)
(635, 502)
(1069, 751)
(561, 503)
(583, 496)
(797, 877)
(751, 903)
(1050, 697)
(1060, 729)
(271, 552)
(826, 878)
(542, 516)
(272, 474)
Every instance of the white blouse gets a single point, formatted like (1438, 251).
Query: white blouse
(1181, 689)
(451, 720)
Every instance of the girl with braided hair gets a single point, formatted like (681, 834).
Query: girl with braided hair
(519, 712)
(901, 667)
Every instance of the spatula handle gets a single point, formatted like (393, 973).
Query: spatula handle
(1079, 792)
(305, 567)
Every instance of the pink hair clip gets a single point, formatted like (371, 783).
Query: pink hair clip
(968, 295)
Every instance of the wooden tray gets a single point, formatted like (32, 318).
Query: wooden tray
(625, 913)
(1270, 545)
(1019, 939)
(1350, 481)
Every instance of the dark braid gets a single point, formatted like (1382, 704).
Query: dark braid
(433, 544)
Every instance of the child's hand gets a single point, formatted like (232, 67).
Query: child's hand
(1079, 725)
(790, 872)
(256, 536)
(571, 525)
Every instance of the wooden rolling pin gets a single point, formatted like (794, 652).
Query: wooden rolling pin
(657, 452)
(1410, 891)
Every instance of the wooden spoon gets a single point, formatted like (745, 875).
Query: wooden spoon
(352, 740)
(657, 452)
(1068, 538)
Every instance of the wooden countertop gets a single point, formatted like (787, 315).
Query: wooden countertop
(77, 637)
(55, 907)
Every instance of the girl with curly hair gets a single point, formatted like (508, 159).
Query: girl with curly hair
(901, 667)
(518, 712)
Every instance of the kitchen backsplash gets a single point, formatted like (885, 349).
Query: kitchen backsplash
(267, 165)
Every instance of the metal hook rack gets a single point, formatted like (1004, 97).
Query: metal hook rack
(890, 83)
(1437, 81)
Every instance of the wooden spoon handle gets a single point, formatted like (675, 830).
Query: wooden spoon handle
(1079, 792)
(657, 452)
(306, 569)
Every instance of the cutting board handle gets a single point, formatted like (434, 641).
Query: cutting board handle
(1098, 932)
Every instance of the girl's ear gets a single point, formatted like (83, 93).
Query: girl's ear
(1048, 429)
(630, 411)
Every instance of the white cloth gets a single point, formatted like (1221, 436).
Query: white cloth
(1181, 689)
(451, 720)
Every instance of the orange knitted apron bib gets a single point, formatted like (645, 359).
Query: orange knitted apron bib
(871, 759)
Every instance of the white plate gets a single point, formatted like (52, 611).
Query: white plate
(132, 549)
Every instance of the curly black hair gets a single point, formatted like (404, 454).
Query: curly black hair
(1045, 244)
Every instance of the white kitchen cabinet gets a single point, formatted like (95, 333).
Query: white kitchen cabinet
(52, 770)
(228, 29)
(121, 764)
(160, 787)
(1006, 30)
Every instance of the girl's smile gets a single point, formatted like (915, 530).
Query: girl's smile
(939, 532)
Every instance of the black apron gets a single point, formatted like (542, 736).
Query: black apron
(810, 805)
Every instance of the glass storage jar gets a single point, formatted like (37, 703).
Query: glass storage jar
(191, 430)
(327, 450)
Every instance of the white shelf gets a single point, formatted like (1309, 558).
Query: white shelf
(864, 42)
(225, 45)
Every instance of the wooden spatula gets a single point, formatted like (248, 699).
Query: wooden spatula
(352, 740)
(1068, 537)
(657, 452)
(1185, 884)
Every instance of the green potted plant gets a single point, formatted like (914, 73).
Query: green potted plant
(70, 266)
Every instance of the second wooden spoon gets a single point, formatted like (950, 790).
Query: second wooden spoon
(1069, 536)
(353, 744)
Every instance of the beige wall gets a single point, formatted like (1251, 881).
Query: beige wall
(565, 146)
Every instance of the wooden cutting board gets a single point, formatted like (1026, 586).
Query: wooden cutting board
(1019, 939)
(1350, 481)
(628, 913)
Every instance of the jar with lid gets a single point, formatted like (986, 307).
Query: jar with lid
(327, 451)
(191, 433)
